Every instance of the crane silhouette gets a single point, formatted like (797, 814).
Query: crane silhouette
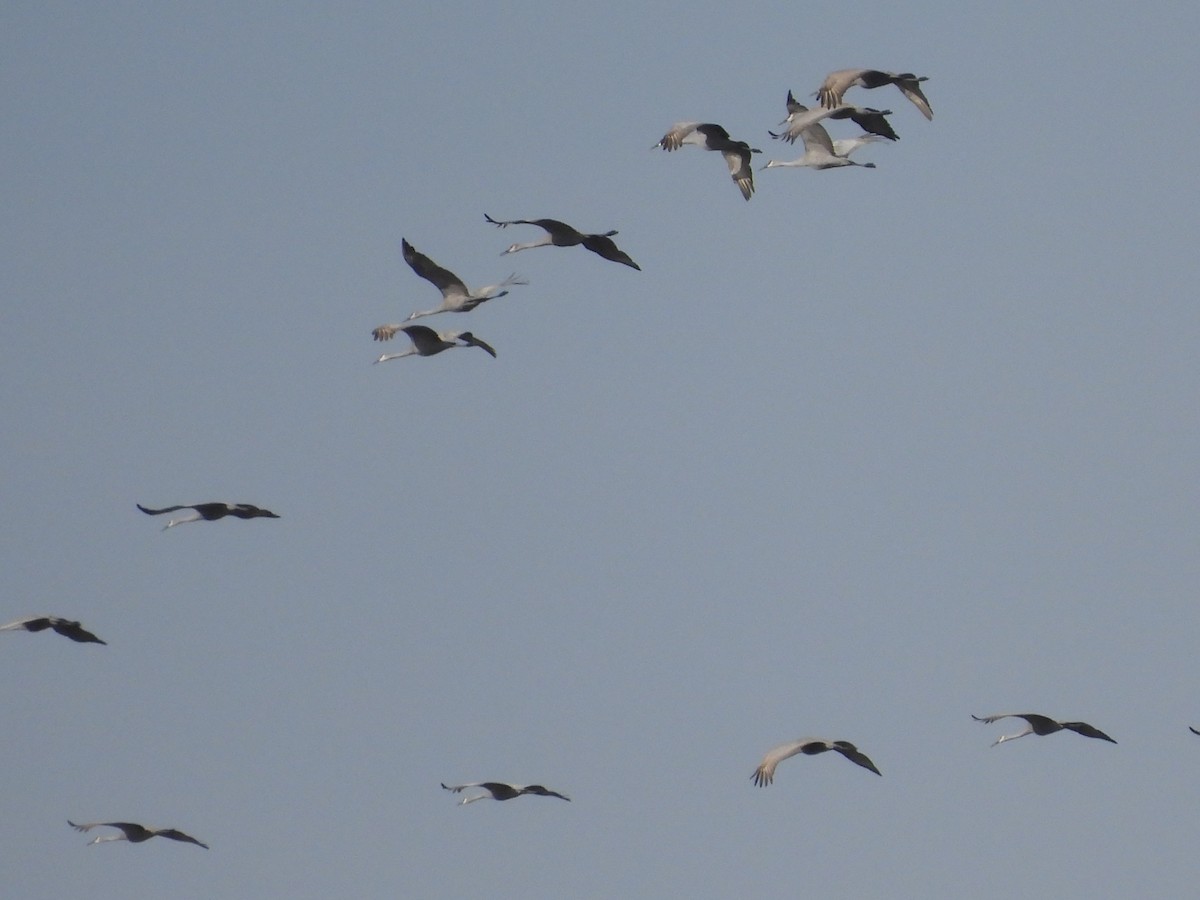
(765, 773)
(497, 790)
(134, 833)
(1042, 725)
(65, 627)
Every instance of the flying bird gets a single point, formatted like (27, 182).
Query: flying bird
(714, 137)
(66, 628)
(872, 121)
(134, 833)
(765, 773)
(456, 296)
(837, 83)
(499, 791)
(1042, 725)
(210, 512)
(822, 153)
(560, 234)
(427, 342)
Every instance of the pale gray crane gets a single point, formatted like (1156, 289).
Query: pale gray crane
(65, 627)
(714, 137)
(497, 790)
(1042, 725)
(456, 296)
(134, 833)
(822, 153)
(210, 512)
(427, 342)
(765, 773)
(837, 83)
(560, 234)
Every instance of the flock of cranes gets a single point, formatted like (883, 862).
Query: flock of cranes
(820, 152)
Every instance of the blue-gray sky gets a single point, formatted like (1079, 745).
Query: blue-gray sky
(870, 453)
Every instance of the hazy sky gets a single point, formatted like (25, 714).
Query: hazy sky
(868, 454)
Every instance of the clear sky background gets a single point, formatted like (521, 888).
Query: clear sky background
(870, 453)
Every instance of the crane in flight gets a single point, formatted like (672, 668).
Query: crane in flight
(134, 833)
(837, 83)
(560, 234)
(714, 137)
(210, 512)
(765, 773)
(820, 152)
(497, 790)
(456, 296)
(65, 627)
(1042, 725)
(427, 342)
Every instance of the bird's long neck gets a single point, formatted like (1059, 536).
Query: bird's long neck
(544, 242)
(411, 351)
(1013, 737)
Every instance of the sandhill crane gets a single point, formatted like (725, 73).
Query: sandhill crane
(765, 773)
(210, 512)
(427, 342)
(1042, 725)
(837, 83)
(873, 121)
(499, 791)
(134, 833)
(714, 137)
(456, 296)
(65, 627)
(821, 153)
(560, 234)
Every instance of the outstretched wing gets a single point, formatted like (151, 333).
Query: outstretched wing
(910, 87)
(738, 161)
(873, 121)
(765, 773)
(459, 788)
(544, 792)
(177, 835)
(159, 512)
(1087, 730)
(471, 341)
(855, 755)
(36, 623)
(443, 279)
(75, 632)
(602, 245)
